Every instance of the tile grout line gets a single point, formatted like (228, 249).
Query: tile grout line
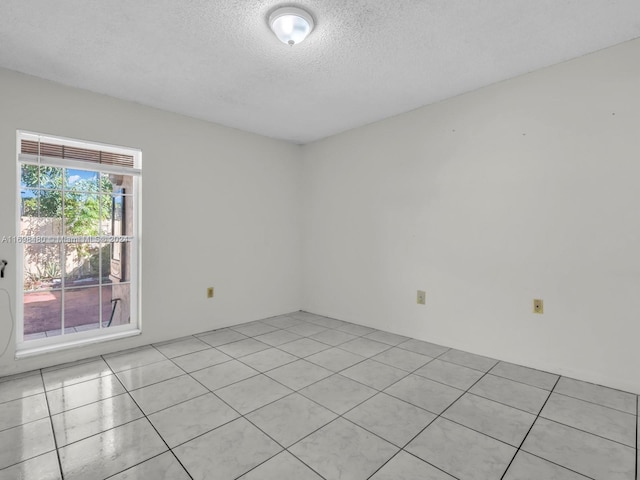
(464, 392)
(21, 398)
(560, 466)
(360, 362)
(77, 363)
(585, 431)
(139, 463)
(62, 412)
(154, 428)
(249, 421)
(298, 392)
(402, 449)
(154, 346)
(98, 377)
(593, 403)
(530, 428)
(53, 431)
(127, 391)
(175, 404)
(286, 449)
(378, 391)
(503, 403)
(475, 430)
(329, 347)
(112, 374)
(520, 381)
(333, 373)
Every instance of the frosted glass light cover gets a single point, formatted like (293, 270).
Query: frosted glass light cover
(291, 25)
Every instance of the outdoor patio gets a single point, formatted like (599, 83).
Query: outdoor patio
(42, 311)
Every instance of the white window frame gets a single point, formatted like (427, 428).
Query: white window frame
(27, 348)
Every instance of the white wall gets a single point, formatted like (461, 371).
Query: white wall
(526, 189)
(245, 187)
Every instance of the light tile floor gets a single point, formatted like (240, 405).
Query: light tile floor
(305, 397)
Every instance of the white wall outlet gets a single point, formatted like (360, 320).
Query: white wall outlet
(421, 298)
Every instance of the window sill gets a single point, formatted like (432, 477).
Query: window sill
(25, 351)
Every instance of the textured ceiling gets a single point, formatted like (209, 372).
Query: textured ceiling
(366, 60)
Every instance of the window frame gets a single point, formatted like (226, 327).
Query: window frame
(26, 348)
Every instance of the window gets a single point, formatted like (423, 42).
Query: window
(78, 241)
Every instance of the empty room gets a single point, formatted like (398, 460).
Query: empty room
(319, 240)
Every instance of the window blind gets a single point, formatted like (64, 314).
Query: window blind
(33, 147)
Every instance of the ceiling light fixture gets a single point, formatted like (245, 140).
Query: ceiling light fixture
(291, 24)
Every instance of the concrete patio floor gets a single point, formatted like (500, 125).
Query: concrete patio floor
(42, 311)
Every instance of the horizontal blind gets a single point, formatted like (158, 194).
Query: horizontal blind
(33, 147)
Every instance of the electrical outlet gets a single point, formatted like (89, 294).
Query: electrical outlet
(538, 305)
(210, 292)
(421, 298)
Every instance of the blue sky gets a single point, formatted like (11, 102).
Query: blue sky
(73, 176)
